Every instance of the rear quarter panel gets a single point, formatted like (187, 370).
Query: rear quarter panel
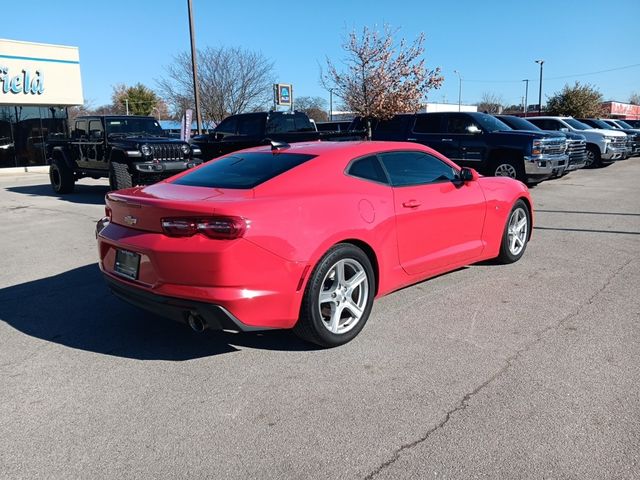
(301, 214)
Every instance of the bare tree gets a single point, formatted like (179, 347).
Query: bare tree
(314, 107)
(382, 77)
(491, 103)
(634, 99)
(232, 80)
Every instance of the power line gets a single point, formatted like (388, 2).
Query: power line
(561, 76)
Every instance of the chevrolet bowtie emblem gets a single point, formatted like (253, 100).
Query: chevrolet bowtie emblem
(129, 220)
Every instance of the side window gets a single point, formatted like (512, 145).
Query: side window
(280, 124)
(428, 124)
(551, 125)
(416, 168)
(95, 130)
(80, 130)
(395, 124)
(228, 126)
(368, 168)
(461, 124)
(250, 126)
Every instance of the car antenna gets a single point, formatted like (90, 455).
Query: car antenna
(276, 146)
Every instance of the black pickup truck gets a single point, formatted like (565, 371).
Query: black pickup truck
(478, 140)
(128, 150)
(247, 130)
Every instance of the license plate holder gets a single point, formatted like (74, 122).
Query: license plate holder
(127, 264)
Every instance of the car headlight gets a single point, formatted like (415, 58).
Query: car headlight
(185, 149)
(609, 139)
(536, 147)
(146, 150)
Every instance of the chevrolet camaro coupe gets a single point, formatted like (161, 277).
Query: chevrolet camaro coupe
(304, 236)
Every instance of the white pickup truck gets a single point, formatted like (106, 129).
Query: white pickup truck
(603, 146)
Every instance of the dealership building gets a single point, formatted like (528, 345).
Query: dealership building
(37, 84)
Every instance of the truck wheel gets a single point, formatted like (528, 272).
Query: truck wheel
(338, 298)
(593, 157)
(119, 176)
(516, 234)
(508, 167)
(61, 177)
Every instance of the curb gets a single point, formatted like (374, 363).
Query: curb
(19, 170)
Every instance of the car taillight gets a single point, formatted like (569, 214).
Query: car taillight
(212, 227)
(107, 212)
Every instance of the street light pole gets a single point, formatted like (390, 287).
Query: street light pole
(541, 62)
(194, 68)
(526, 95)
(331, 104)
(459, 90)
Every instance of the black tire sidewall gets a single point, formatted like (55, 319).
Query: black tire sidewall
(311, 314)
(66, 182)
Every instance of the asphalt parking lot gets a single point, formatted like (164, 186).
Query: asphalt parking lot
(529, 370)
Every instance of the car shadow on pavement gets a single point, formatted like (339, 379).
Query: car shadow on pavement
(76, 309)
(87, 194)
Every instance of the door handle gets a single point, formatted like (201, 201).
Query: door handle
(411, 204)
(447, 139)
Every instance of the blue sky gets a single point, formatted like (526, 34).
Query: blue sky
(492, 43)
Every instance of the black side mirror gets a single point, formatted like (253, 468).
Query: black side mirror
(466, 175)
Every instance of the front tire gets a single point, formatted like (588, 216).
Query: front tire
(593, 157)
(119, 176)
(508, 167)
(516, 234)
(61, 177)
(338, 298)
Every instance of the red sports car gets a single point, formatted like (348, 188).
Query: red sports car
(304, 236)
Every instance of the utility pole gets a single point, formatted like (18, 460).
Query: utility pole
(526, 95)
(541, 62)
(194, 68)
(459, 90)
(126, 104)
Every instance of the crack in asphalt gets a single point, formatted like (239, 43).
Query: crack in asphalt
(464, 402)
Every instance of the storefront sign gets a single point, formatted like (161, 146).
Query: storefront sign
(283, 94)
(25, 66)
(25, 82)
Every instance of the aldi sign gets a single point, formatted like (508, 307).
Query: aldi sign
(283, 94)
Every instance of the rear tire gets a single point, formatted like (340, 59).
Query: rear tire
(593, 157)
(338, 298)
(61, 177)
(516, 234)
(119, 176)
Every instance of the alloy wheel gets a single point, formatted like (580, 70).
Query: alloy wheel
(343, 296)
(590, 158)
(505, 170)
(517, 231)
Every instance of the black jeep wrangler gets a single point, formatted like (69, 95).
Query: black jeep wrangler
(129, 150)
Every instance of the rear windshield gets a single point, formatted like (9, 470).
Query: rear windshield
(243, 170)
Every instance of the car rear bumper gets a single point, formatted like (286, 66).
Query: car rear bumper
(216, 317)
(228, 283)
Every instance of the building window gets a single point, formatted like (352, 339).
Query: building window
(24, 131)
